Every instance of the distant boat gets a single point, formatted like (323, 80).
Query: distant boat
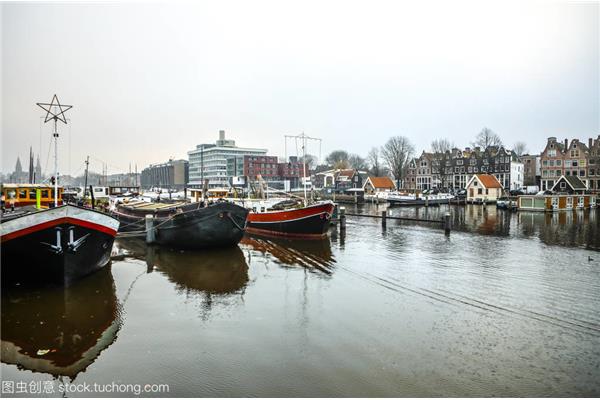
(56, 245)
(419, 200)
(186, 225)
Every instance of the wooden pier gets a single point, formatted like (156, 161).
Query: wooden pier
(445, 222)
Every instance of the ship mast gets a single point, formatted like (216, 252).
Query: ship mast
(55, 111)
(303, 137)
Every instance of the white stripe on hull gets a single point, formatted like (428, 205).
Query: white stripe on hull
(51, 214)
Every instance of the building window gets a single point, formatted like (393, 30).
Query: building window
(558, 163)
(479, 191)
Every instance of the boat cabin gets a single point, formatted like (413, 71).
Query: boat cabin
(26, 194)
(211, 194)
(123, 190)
(100, 192)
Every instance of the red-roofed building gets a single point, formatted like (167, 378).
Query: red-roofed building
(484, 188)
(375, 184)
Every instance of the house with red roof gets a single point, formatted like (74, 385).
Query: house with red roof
(377, 184)
(484, 188)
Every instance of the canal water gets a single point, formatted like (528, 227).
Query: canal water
(507, 305)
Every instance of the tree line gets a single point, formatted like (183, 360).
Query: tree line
(395, 155)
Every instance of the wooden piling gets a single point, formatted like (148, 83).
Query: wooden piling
(447, 223)
(150, 233)
(342, 218)
(92, 196)
(383, 218)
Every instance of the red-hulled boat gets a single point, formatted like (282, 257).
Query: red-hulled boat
(309, 222)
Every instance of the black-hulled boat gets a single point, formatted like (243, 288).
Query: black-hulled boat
(56, 245)
(186, 225)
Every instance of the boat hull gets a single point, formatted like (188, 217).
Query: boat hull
(191, 227)
(57, 246)
(310, 222)
(418, 202)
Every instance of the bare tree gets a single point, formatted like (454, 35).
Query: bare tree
(338, 159)
(310, 160)
(397, 153)
(357, 162)
(520, 148)
(486, 138)
(374, 160)
(441, 149)
(441, 145)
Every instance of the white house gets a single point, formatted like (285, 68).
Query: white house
(375, 184)
(517, 175)
(483, 188)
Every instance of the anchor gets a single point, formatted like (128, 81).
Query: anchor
(73, 245)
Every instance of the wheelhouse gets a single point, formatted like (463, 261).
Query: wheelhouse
(25, 194)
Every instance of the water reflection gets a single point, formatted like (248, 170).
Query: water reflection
(576, 228)
(288, 252)
(568, 228)
(217, 271)
(60, 331)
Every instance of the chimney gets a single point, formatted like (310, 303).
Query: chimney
(221, 135)
(566, 144)
(590, 142)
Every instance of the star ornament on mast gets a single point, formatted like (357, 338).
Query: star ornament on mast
(55, 112)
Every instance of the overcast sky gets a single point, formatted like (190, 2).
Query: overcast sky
(149, 81)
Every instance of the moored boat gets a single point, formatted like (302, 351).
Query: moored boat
(57, 245)
(419, 200)
(303, 222)
(186, 225)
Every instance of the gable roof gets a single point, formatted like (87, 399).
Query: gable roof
(488, 181)
(346, 172)
(574, 182)
(381, 182)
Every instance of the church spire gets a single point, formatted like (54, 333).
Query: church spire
(38, 170)
(18, 168)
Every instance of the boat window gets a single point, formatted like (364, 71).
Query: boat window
(44, 193)
(32, 194)
(11, 194)
(22, 193)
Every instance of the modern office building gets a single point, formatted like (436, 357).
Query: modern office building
(173, 174)
(210, 161)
